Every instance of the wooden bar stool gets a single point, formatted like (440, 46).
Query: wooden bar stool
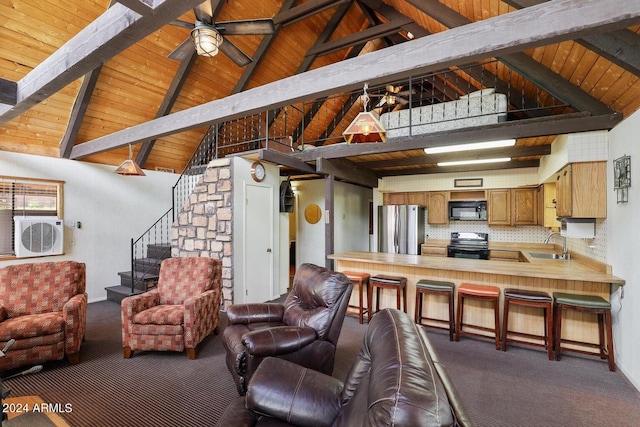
(529, 299)
(585, 304)
(481, 292)
(362, 281)
(434, 287)
(399, 284)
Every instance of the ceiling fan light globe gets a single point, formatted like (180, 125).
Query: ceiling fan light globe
(206, 39)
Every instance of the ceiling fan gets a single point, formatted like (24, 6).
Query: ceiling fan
(216, 31)
(393, 95)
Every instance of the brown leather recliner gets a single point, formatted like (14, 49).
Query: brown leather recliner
(396, 380)
(304, 329)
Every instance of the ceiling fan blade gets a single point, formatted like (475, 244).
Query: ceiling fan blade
(382, 102)
(183, 24)
(246, 27)
(235, 54)
(183, 51)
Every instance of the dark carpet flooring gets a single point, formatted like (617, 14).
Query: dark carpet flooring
(519, 387)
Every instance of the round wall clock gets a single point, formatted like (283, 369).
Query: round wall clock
(258, 172)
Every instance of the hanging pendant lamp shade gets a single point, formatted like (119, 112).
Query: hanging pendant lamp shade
(366, 127)
(129, 167)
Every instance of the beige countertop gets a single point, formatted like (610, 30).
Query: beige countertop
(573, 269)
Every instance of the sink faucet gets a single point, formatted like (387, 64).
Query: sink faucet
(565, 250)
(549, 237)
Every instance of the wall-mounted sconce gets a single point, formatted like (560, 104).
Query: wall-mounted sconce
(622, 178)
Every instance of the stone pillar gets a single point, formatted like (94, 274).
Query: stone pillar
(204, 226)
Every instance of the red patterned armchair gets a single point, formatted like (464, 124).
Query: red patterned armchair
(179, 313)
(43, 306)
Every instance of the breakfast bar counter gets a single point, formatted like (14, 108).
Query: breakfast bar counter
(577, 275)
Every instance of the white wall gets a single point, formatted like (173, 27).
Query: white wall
(351, 220)
(623, 251)
(111, 208)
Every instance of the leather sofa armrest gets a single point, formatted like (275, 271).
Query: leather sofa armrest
(278, 340)
(254, 313)
(297, 395)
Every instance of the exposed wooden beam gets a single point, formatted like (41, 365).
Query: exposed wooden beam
(305, 10)
(78, 112)
(346, 170)
(167, 103)
(525, 128)
(622, 47)
(8, 92)
(285, 160)
(522, 63)
(360, 37)
(432, 159)
(143, 7)
(500, 35)
(514, 164)
(111, 33)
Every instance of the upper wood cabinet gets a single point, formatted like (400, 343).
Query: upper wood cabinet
(405, 198)
(499, 207)
(437, 210)
(517, 206)
(524, 206)
(581, 190)
(547, 216)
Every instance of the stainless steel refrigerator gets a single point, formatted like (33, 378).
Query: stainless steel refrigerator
(401, 228)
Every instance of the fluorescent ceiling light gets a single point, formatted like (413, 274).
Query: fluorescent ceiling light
(472, 146)
(475, 162)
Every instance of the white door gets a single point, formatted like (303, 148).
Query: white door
(258, 244)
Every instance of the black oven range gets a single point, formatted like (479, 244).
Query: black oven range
(468, 245)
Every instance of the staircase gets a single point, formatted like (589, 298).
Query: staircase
(144, 275)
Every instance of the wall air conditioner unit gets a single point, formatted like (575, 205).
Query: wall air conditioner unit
(38, 236)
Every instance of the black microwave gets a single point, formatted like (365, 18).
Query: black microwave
(474, 210)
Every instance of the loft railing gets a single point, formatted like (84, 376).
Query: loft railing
(321, 122)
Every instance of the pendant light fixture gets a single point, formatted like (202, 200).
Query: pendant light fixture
(129, 167)
(206, 38)
(366, 127)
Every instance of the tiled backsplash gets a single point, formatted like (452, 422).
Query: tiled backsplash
(593, 248)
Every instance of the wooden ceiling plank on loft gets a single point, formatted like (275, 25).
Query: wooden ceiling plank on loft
(619, 47)
(523, 64)
(513, 164)
(111, 33)
(500, 35)
(527, 151)
(525, 128)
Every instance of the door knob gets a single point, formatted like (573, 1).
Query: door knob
(268, 249)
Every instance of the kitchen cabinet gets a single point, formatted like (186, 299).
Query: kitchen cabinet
(516, 206)
(524, 206)
(547, 216)
(434, 250)
(394, 199)
(437, 210)
(405, 198)
(581, 190)
(499, 207)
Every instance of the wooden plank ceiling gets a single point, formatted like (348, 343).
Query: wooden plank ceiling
(136, 79)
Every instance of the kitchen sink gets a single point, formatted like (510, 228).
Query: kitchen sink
(547, 255)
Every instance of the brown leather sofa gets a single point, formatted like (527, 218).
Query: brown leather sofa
(396, 380)
(304, 329)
